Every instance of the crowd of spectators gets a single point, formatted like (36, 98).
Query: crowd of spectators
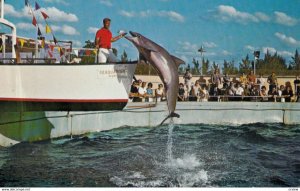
(246, 87)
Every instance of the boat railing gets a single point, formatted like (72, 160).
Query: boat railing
(220, 98)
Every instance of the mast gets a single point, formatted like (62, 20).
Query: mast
(13, 30)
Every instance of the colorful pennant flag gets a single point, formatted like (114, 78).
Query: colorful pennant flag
(61, 52)
(34, 22)
(95, 51)
(39, 32)
(54, 39)
(43, 43)
(50, 54)
(22, 41)
(37, 6)
(88, 52)
(75, 52)
(51, 48)
(48, 29)
(44, 15)
(81, 53)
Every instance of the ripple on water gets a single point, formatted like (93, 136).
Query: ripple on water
(187, 155)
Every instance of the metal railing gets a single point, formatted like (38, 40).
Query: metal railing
(220, 98)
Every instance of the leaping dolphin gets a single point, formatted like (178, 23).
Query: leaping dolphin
(165, 64)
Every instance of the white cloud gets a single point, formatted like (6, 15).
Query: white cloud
(272, 50)
(76, 43)
(287, 39)
(57, 1)
(106, 3)
(284, 19)
(10, 10)
(60, 16)
(127, 13)
(92, 30)
(249, 47)
(229, 13)
(25, 26)
(209, 45)
(68, 30)
(187, 46)
(55, 14)
(226, 53)
(262, 16)
(65, 29)
(171, 15)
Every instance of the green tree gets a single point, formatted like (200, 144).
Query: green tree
(89, 44)
(229, 68)
(196, 66)
(245, 65)
(295, 63)
(124, 57)
(205, 66)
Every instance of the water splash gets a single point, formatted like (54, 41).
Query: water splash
(170, 142)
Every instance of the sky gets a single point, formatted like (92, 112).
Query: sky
(228, 29)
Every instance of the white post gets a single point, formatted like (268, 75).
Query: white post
(2, 9)
(14, 41)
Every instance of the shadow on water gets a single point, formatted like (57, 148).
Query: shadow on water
(172, 155)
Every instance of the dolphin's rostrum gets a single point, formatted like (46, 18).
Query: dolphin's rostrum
(165, 64)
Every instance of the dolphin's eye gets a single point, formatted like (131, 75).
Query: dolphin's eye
(139, 36)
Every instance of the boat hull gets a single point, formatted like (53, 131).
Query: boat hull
(95, 87)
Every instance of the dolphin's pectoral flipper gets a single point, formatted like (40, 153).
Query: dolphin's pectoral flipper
(177, 61)
(173, 114)
(142, 58)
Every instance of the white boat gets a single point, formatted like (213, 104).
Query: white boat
(59, 87)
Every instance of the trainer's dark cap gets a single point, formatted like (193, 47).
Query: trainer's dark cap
(106, 19)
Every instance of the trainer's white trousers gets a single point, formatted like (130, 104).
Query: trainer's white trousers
(106, 55)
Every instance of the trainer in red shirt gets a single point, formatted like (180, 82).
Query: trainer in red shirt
(104, 36)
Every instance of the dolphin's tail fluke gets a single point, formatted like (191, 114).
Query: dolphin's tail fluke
(170, 116)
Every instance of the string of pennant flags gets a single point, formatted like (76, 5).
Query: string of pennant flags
(48, 30)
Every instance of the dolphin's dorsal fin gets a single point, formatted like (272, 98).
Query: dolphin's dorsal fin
(178, 61)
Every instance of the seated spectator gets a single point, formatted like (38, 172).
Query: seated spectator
(159, 93)
(251, 77)
(204, 95)
(261, 81)
(181, 92)
(239, 92)
(202, 81)
(143, 90)
(288, 94)
(243, 79)
(226, 80)
(279, 93)
(195, 91)
(149, 93)
(231, 92)
(273, 94)
(134, 92)
(247, 90)
(264, 94)
(254, 92)
(272, 80)
(234, 80)
(186, 93)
